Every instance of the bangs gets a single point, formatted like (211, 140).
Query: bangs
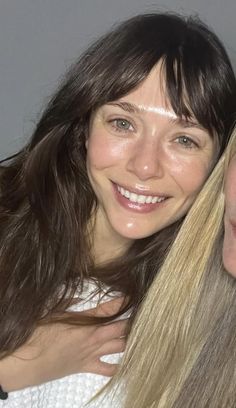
(188, 95)
(197, 75)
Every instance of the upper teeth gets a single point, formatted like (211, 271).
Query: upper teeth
(141, 199)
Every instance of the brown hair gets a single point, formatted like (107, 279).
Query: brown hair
(181, 351)
(46, 199)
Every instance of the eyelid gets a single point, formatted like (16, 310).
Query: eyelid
(189, 124)
(191, 140)
(118, 112)
(196, 133)
(121, 117)
(194, 136)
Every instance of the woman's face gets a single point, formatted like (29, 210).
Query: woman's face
(145, 165)
(229, 246)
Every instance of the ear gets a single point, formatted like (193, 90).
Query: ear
(86, 143)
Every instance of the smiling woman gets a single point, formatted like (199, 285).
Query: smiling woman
(142, 160)
(90, 206)
(186, 346)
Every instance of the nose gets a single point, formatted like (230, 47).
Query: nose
(146, 161)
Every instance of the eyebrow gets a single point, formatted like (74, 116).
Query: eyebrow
(132, 108)
(127, 107)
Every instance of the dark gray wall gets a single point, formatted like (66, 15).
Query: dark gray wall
(39, 39)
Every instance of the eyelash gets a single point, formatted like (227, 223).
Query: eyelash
(193, 144)
(114, 124)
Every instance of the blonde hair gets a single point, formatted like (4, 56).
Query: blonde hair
(189, 301)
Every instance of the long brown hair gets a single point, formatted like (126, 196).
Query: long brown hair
(182, 351)
(46, 199)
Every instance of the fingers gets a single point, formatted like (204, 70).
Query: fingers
(98, 364)
(111, 331)
(106, 369)
(112, 347)
(107, 309)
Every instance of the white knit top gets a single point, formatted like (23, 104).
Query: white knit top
(73, 391)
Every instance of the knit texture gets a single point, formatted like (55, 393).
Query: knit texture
(74, 391)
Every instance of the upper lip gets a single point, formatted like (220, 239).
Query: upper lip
(140, 191)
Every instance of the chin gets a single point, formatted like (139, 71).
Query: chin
(134, 234)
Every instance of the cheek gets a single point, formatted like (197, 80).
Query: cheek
(189, 173)
(103, 151)
(97, 153)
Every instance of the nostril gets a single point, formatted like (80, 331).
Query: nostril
(145, 169)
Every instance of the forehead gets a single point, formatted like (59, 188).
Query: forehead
(151, 97)
(151, 94)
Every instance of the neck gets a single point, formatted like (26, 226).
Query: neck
(107, 245)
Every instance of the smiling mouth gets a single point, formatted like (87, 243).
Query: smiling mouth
(140, 198)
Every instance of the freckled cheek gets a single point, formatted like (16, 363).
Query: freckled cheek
(189, 175)
(102, 152)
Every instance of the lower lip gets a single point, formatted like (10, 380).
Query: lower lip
(136, 207)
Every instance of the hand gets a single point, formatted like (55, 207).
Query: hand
(57, 350)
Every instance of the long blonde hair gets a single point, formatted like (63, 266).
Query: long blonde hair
(186, 317)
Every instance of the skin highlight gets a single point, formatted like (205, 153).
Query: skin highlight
(139, 145)
(183, 340)
(56, 234)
